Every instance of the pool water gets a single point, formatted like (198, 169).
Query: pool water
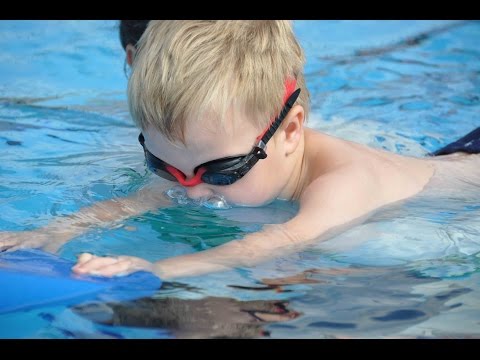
(411, 270)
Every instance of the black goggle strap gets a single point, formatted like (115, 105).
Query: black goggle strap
(276, 123)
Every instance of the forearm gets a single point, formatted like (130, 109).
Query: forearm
(104, 213)
(272, 241)
(255, 248)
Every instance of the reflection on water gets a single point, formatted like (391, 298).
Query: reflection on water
(209, 317)
(361, 302)
(179, 195)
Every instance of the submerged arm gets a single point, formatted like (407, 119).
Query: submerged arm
(62, 229)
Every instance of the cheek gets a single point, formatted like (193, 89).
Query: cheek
(255, 189)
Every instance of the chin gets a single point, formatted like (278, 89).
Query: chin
(254, 202)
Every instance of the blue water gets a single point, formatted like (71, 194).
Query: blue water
(66, 141)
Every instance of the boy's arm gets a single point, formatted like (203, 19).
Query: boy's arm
(64, 228)
(328, 202)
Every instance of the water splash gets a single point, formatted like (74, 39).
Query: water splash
(179, 195)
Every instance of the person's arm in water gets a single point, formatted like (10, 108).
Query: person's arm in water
(62, 229)
(328, 202)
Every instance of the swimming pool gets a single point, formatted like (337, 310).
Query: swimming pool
(412, 270)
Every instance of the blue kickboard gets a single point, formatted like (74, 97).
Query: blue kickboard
(32, 278)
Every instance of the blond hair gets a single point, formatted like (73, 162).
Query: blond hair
(186, 69)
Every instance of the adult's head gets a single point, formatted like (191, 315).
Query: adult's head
(130, 32)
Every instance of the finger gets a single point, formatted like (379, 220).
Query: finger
(84, 257)
(94, 263)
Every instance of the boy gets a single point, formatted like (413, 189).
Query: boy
(221, 107)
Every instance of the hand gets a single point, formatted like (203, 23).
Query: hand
(11, 241)
(110, 266)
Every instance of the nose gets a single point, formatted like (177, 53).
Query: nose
(199, 191)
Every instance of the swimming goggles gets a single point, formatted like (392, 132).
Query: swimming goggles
(224, 171)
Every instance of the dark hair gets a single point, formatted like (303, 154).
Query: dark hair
(131, 31)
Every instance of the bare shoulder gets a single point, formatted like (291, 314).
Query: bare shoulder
(337, 197)
(353, 180)
(349, 182)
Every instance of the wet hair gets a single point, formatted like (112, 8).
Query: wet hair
(186, 70)
(131, 31)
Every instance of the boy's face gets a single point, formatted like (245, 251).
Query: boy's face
(206, 141)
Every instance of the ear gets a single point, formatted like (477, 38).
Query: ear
(292, 129)
(130, 53)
